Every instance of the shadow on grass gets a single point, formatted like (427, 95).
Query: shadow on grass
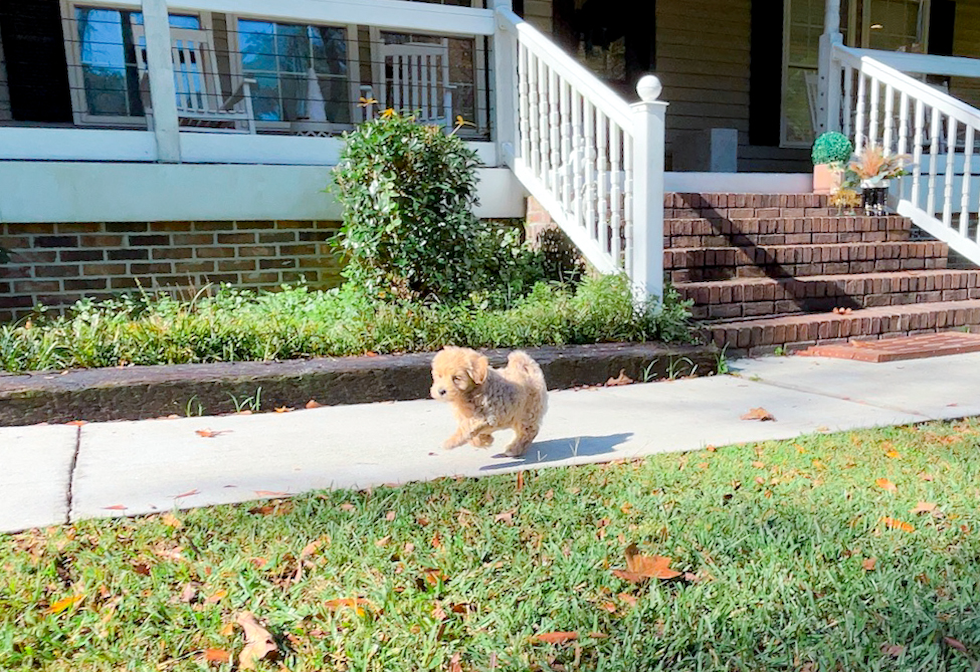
(553, 450)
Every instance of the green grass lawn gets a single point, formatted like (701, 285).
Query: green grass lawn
(797, 555)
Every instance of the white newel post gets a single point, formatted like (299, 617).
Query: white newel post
(163, 94)
(503, 119)
(828, 73)
(649, 116)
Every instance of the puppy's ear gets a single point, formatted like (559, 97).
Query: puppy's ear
(477, 369)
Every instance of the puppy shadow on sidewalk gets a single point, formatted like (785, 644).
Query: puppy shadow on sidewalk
(553, 450)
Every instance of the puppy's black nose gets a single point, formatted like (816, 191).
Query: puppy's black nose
(442, 393)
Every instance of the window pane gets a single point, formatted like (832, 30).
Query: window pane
(109, 74)
(258, 45)
(796, 106)
(329, 50)
(294, 102)
(105, 90)
(265, 97)
(293, 48)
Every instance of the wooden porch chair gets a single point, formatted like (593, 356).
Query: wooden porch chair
(418, 81)
(200, 103)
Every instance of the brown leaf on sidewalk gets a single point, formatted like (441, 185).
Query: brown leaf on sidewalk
(259, 644)
(210, 433)
(189, 493)
(284, 409)
(115, 507)
(759, 413)
(621, 379)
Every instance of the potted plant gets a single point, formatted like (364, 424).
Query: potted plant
(873, 169)
(830, 154)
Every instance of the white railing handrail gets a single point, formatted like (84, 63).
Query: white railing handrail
(605, 99)
(921, 64)
(866, 61)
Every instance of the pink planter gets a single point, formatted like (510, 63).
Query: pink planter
(825, 178)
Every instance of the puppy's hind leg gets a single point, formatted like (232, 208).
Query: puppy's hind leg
(524, 436)
(482, 440)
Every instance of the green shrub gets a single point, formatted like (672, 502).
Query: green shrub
(831, 147)
(239, 325)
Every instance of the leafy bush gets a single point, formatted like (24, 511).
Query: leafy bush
(831, 147)
(238, 325)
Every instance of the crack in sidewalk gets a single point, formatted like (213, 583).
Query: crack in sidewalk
(831, 395)
(69, 495)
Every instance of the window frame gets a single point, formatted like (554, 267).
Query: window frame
(353, 69)
(784, 81)
(73, 55)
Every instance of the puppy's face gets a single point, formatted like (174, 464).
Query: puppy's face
(457, 372)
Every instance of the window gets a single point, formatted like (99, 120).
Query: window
(803, 25)
(280, 57)
(102, 60)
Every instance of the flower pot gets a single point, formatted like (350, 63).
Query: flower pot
(874, 197)
(825, 178)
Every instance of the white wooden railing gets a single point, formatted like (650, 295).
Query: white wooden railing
(593, 161)
(882, 105)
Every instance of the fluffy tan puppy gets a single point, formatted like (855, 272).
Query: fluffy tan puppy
(485, 400)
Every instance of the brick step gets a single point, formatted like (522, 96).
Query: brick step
(745, 206)
(699, 264)
(754, 297)
(793, 332)
(681, 233)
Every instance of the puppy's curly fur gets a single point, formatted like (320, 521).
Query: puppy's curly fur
(485, 400)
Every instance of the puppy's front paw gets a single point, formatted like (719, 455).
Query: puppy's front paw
(451, 443)
(482, 440)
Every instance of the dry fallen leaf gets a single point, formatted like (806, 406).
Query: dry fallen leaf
(869, 564)
(115, 507)
(275, 507)
(217, 596)
(621, 379)
(390, 516)
(886, 484)
(454, 663)
(758, 414)
(259, 644)
(520, 480)
(923, 507)
(893, 650)
(269, 493)
(77, 423)
(312, 404)
(170, 520)
(347, 506)
(189, 493)
(219, 656)
(210, 433)
(759, 465)
(65, 604)
(284, 409)
(554, 637)
(640, 567)
(349, 603)
(925, 477)
(894, 523)
(893, 454)
(955, 644)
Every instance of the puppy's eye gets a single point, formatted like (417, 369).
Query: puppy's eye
(456, 379)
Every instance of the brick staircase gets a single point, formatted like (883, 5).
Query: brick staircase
(767, 271)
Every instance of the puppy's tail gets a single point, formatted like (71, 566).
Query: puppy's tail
(521, 365)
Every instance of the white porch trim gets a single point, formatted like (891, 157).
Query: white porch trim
(50, 191)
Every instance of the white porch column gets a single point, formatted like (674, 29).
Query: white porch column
(649, 143)
(504, 109)
(159, 65)
(828, 84)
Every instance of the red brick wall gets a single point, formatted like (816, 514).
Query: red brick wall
(57, 264)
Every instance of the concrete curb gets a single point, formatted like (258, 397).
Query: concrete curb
(141, 392)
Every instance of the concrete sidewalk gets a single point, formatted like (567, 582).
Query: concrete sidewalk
(54, 474)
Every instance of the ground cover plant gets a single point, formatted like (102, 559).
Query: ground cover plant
(239, 325)
(850, 551)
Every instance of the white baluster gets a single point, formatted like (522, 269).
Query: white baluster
(523, 105)
(534, 115)
(602, 171)
(873, 115)
(628, 203)
(544, 112)
(859, 117)
(567, 186)
(577, 159)
(967, 175)
(948, 178)
(903, 133)
(848, 102)
(554, 122)
(616, 191)
(933, 160)
(919, 121)
(590, 159)
(889, 118)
